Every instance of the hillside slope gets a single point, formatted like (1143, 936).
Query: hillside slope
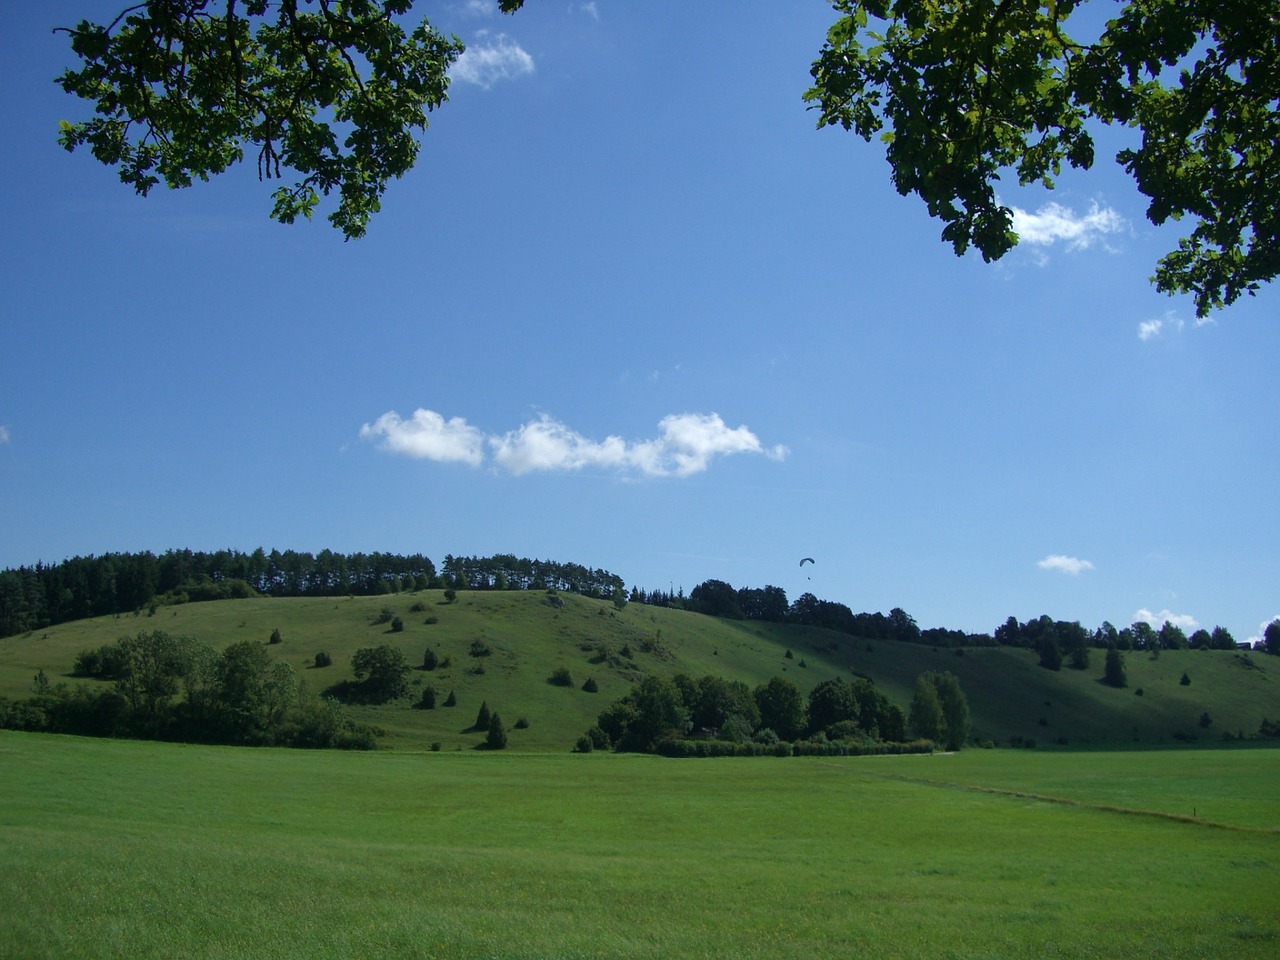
(531, 634)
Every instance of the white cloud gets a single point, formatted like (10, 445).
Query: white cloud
(1262, 629)
(1071, 565)
(590, 9)
(428, 436)
(4, 434)
(687, 444)
(1054, 222)
(1170, 324)
(1158, 620)
(490, 60)
(480, 8)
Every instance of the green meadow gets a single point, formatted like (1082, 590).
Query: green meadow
(133, 849)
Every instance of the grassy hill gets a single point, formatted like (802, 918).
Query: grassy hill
(531, 634)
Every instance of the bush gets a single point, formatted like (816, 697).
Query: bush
(600, 740)
(431, 621)
(397, 625)
(590, 685)
(1185, 681)
(429, 660)
(323, 660)
(479, 649)
(560, 677)
(496, 739)
(384, 615)
(418, 607)
(435, 746)
(275, 636)
(583, 745)
(451, 700)
(522, 724)
(450, 595)
(482, 717)
(428, 699)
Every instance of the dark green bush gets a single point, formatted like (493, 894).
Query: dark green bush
(397, 624)
(323, 659)
(583, 745)
(496, 739)
(561, 677)
(590, 685)
(275, 636)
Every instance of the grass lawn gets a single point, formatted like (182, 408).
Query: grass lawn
(128, 849)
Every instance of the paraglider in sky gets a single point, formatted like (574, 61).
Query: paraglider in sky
(806, 560)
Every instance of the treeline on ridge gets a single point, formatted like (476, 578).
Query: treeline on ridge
(40, 596)
(1054, 640)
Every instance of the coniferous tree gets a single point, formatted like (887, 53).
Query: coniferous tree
(482, 717)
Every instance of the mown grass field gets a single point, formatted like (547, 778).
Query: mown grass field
(1010, 696)
(128, 849)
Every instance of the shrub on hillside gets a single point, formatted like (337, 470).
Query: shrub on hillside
(590, 685)
(451, 700)
(275, 636)
(323, 659)
(428, 699)
(397, 625)
(584, 745)
(560, 677)
(496, 739)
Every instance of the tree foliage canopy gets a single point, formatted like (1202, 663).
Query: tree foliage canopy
(965, 90)
(331, 90)
(962, 91)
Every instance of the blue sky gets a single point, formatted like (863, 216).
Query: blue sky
(632, 310)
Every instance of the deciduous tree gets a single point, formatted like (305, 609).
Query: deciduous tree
(965, 92)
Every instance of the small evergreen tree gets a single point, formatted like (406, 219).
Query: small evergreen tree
(482, 717)
(1185, 681)
(428, 701)
(590, 686)
(451, 700)
(397, 624)
(497, 736)
(275, 636)
(323, 659)
(429, 660)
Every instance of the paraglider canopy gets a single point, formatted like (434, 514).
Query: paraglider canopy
(806, 560)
